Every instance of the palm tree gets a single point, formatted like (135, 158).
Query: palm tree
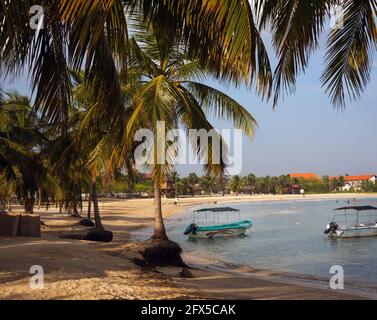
(250, 181)
(235, 184)
(97, 33)
(168, 89)
(297, 26)
(21, 143)
(174, 177)
(193, 180)
(183, 186)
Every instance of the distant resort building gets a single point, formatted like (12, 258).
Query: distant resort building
(355, 182)
(305, 176)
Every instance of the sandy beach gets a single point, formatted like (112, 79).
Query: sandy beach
(84, 270)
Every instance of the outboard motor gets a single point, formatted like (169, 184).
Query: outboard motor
(192, 228)
(331, 228)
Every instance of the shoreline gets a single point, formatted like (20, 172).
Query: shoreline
(354, 287)
(85, 270)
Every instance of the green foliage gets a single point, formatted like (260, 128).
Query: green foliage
(369, 186)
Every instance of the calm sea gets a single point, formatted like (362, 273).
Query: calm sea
(288, 236)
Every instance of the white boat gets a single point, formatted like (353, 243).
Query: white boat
(211, 227)
(363, 223)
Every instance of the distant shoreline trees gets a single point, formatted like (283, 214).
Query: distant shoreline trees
(194, 185)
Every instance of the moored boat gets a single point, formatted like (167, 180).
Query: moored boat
(363, 223)
(211, 226)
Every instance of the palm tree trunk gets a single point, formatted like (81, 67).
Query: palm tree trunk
(29, 204)
(159, 228)
(2, 205)
(90, 204)
(39, 197)
(97, 217)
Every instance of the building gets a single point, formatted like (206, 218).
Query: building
(305, 176)
(355, 182)
(295, 189)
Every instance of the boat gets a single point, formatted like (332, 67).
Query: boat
(210, 226)
(361, 222)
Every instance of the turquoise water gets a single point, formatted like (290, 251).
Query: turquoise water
(288, 236)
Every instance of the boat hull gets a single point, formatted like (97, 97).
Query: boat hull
(227, 231)
(355, 232)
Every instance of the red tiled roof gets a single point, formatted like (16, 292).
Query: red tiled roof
(365, 177)
(304, 176)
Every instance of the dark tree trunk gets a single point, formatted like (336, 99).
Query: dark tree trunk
(159, 228)
(2, 205)
(90, 205)
(75, 209)
(29, 204)
(39, 198)
(97, 217)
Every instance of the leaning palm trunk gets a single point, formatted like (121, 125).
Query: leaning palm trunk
(97, 217)
(159, 228)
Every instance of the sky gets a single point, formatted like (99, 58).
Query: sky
(304, 133)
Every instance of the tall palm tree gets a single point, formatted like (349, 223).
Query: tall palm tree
(168, 88)
(21, 143)
(250, 181)
(297, 26)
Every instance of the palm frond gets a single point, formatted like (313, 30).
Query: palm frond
(296, 27)
(230, 46)
(349, 53)
(222, 106)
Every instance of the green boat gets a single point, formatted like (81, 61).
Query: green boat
(210, 227)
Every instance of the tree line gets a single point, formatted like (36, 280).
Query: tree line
(194, 184)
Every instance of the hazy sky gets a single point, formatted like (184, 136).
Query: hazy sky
(305, 133)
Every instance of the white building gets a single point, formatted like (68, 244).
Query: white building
(355, 182)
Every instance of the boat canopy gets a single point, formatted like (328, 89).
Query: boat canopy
(225, 209)
(357, 208)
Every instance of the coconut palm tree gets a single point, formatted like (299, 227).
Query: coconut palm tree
(250, 181)
(168, 88)
(93, 36)
(235, 184)
(21, 143)
(297, 26)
